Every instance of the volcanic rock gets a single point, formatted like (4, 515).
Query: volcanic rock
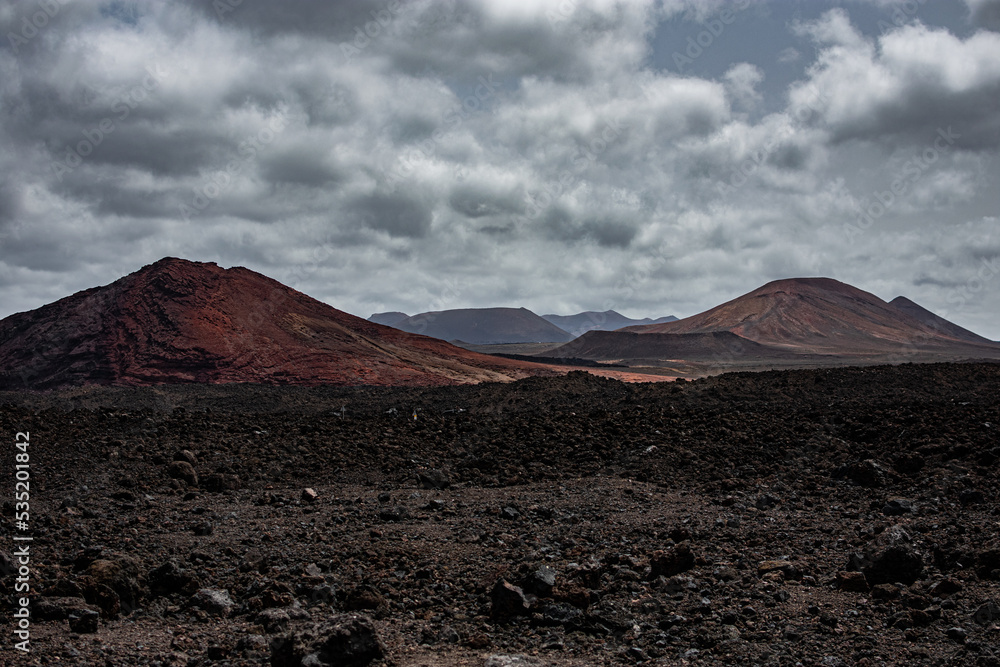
(346, 640)
(184, 471)
(671, 561)
(58, 609)
(213, 601)
(217, 481)
(84, 621)
(121, 575)
(508, 601)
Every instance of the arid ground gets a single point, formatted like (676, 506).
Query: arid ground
(823, 517)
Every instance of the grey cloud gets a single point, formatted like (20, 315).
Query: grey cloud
(475, 201)
(985, 13)
(302, 166)
(399, 215)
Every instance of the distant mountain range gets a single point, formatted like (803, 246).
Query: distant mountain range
(499, 326)
(179, 321)
(609, 320)
(479, 326)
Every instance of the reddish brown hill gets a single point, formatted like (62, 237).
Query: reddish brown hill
(180, 321)
(819, 315)
(936, 322)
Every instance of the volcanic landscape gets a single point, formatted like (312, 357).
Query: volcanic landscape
(227, 472)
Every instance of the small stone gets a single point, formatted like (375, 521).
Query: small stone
(343, 639)
(987, 613)
(957, 634)
(971, 497)
(674, 560)
(853, 582)
(501, 660)
(309, 495)
(509, 513)
(433, 479)
(218, 482)
(541, 581)
(766, 501)
(84, 621)
(203, 528)
(214, 601)
(897, 507)
(186, 455)
(508, 601)
(183, 471)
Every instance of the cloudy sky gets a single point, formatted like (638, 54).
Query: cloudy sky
(651, 157)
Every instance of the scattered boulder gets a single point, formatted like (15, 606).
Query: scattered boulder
(84, 621)
(540, 582)
(787, 569)
(969, 497)
(433, 479)
(346, 640)
(508, 601)
(397, 513)
(671, 561)
(868, 473)
(987, 613)
(214, 601)
(58, 609)
(899, 563)
(309, 495)
(273, 620)
(183, 471)
(187, 456)
(170, 578)
(897, 507)
(218, 482)
(121, 575)
(853, 582)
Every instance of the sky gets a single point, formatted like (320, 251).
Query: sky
(651, 157)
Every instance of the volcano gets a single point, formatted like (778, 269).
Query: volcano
(936, 322)
(178, 321)
(822, 316)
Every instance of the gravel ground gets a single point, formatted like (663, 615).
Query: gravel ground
(827, 517)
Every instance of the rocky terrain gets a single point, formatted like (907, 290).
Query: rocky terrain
(815, 517)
